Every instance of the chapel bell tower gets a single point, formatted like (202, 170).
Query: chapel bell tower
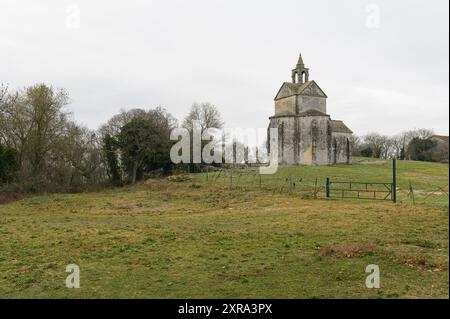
(300, 74)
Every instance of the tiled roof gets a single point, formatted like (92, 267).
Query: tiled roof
(307, 88)
(340, 127)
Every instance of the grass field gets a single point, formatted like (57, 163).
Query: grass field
(429, 181)
(166, 239)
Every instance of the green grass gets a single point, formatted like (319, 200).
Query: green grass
(424, 177)
(166, 239)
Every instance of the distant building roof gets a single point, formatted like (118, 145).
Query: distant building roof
(441, 138)
(339, 127)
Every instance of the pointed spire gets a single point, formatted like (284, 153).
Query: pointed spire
(300, 61)
(300, 74)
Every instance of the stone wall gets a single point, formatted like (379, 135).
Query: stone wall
(287, 138)
(315, 140)
(285, 105)
(303, 140)
(305, 103)
(341, 148)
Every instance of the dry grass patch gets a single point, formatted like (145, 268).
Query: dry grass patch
(421, 261)
(348, 252)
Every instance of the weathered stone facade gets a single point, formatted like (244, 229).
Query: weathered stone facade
(306, 133)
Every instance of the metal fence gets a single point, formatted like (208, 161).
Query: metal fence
(439, 195)
(360, 190)
(251, 179)
(323, 188)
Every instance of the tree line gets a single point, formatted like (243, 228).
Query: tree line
(414, 144)
(43, 149)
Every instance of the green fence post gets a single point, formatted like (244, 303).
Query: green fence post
(315, 189)
(394, 180)
(411, 192)
(292, 183)
(327, 188)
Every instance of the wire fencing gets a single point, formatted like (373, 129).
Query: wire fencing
(251, 179)
(438, 195)
(316, 188)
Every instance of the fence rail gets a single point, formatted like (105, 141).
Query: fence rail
(347, 190)
(332, 188)
(252, 179)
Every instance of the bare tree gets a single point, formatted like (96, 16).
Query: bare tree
(208, 116)
(398, 146)
(378, 143)
(31, 121)
(80, 157)
(423, 133)
(356, 144)
(3, 101)
(3, 94)
(52, 151)
(206, 113)
(389, 149)
(115, 123)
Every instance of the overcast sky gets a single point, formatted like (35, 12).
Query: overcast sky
(383, 64)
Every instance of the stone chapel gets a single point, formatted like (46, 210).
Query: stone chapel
(306, 133)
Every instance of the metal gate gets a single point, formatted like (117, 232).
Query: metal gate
(364, 190)
(360, 190)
